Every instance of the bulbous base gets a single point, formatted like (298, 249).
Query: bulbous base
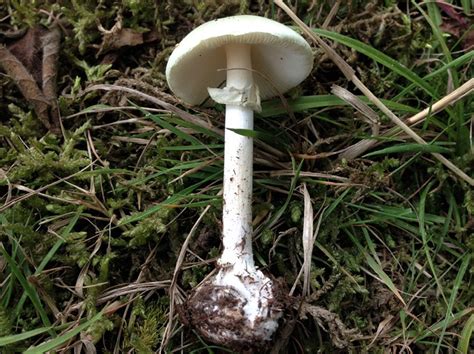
(235, 311)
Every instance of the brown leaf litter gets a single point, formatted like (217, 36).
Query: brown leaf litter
(32, 62)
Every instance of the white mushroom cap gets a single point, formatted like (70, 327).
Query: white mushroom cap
(278, 52)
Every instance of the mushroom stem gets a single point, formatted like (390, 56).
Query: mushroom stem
(239, 307)
(238, 165)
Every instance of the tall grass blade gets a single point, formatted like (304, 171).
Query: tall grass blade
(452, 298)
(56, 342)
(409, 148)
(64, 235)
(381, 58)
(378, 269)
(424, 238)
(15, 338)
(172, 201)
(466, 334)
(275, 107)
(29, 290)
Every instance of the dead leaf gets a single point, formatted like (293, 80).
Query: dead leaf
(118, 38)
(151, 36)
(28, 51)
(449, 10)
(26, 84)
(452, 27)
(51, 43)
(457, 24)
(468, 40)
(32, 63)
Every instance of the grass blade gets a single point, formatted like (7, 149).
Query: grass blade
(425, 246)
(291, 190)
(29, 290)
(251, 133)
(462, 137)
(381, 58)
(466, 334)
(466, 6)
(454, 292)
(433, 329)
(172, 201)
(407, 148)
(176, 170)
(56, 342)
(178, 132)
(450, 65)
(22, 336)
(275, 107)
(378, 269)
(64, 235)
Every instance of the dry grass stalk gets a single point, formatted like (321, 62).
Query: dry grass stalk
(308, 240)
(173, 287)
(446, 101)
(350, 75)
(362, 146)
(188, 117)
(371, 118)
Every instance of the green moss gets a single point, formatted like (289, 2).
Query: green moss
(23, 123)
(42, 163)
(192, 277)
(267, 237)
(24, 12)
(150, 229)
(346, 290)
(83, 15)
(43, 187)
(5, 322)
(97, 330)
(77, 251)
(296, 211)
(145, 325)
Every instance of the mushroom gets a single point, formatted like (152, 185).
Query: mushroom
(257, 58)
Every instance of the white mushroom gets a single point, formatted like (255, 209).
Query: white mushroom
(257, 58)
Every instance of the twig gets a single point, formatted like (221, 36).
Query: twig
(350, 75)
